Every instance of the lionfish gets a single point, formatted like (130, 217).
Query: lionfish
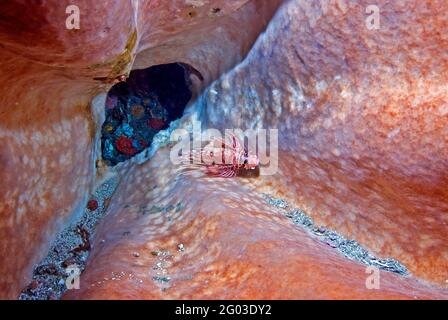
(225, 158)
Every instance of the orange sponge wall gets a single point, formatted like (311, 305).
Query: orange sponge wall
(47, 84)
(362, 127)
(362, 117)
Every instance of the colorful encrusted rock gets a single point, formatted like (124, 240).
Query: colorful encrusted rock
(125, 146)
(136, 110)
(156, 124)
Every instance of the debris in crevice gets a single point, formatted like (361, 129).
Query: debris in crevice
(70, 249)
(92, 205)
(349, 248)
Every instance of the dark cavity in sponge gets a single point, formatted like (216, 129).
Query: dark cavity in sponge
(142, 106)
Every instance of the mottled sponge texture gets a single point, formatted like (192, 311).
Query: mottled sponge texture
(362, 120)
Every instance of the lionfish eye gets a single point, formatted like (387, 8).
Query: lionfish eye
(245, 161)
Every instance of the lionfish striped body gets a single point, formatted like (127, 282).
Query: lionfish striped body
(222, 158)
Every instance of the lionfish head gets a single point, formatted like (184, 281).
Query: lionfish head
(251, 162)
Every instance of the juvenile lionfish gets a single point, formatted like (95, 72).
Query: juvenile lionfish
(225, 158)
